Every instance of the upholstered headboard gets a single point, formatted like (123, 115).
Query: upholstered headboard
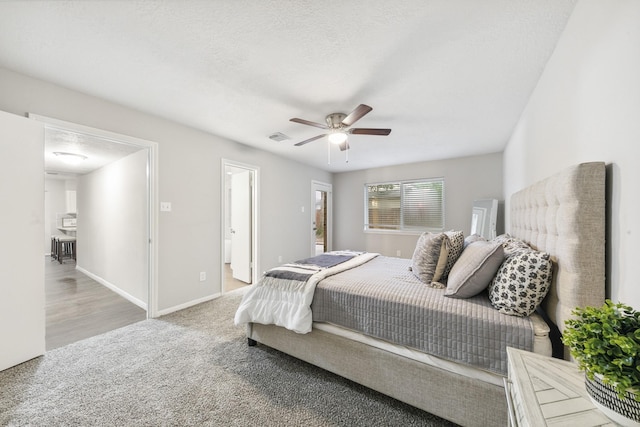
(564, 215)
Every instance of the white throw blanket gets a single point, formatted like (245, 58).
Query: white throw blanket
(287, 301)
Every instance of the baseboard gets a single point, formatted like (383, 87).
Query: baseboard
(187, 304)
(114, 288)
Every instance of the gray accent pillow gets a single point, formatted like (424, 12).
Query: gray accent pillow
(430, 257)
(521, 283)
(456, 245)
(475, 269)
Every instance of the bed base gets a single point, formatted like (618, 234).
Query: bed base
(457, 398)
(563, 215)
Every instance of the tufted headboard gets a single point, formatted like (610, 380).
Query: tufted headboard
(564, 215)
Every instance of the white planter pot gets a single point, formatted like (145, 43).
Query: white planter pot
(625, 412)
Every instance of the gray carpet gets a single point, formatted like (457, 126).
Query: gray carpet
(190, 368)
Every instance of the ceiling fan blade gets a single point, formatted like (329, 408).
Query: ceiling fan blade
(307, 122)
(306, 141)
(369, 131)
(344, 146)
(356, 114)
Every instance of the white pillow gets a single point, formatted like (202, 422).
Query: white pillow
(511, 244)
(473, 238)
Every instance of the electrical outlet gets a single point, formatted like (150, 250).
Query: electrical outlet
(279, 258)
(203, 276)
(398, 253)
(165, 206)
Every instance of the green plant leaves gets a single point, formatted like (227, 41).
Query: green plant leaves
(606, 341)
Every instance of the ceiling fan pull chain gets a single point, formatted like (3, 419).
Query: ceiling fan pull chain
(347, 154)
(328, 153)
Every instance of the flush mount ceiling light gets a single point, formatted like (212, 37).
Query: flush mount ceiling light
(70, 158)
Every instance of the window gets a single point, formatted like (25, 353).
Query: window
(405, 206)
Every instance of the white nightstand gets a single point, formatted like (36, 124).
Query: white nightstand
(543, 391)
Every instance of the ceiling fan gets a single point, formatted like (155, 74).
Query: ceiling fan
(339, 125)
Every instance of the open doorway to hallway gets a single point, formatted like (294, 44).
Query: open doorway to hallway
(103, 203)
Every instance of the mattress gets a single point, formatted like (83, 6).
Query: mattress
(541, 345)
(382, 299)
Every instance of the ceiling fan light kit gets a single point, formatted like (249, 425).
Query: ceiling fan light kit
(337, 137)
(338, 127)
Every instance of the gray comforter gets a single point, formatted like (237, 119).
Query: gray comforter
(383, 299)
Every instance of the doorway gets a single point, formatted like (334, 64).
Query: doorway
(239, 225)
(321, 205)
(114, 190)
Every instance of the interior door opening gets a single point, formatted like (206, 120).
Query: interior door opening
(239, 225)
(321, 226)
(118, 170)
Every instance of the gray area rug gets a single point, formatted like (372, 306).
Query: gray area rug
(190, 368)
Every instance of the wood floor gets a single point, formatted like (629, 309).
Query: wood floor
(230, 283)
(78, 307)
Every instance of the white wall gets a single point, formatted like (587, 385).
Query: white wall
(112, 231)
(466, 179)
(190, 178)
(586, 107)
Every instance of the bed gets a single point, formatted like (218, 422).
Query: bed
(563, 216)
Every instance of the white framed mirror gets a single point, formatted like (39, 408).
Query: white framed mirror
(484, 217)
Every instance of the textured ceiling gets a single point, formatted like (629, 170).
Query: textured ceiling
(98, 152)
(449, 77)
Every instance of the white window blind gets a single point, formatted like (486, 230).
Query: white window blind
(405, 205)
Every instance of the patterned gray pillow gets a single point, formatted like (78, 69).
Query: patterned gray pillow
(521, 283)
(475, 269)
(456, 245)
(430, 257)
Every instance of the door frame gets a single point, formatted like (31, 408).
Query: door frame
(152, 191)
(255, 220)
(328, 188)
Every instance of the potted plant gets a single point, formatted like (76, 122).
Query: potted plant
(606, 344)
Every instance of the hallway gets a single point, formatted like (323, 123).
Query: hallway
(77, 307)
